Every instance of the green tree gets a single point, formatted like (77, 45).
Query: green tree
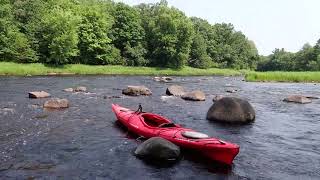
(57, 34)
(128, 35)
(198, 55)
(168, 34)
(13, 44)
(94, 43)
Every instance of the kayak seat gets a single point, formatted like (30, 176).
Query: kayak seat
(194, 135)
(165, 125)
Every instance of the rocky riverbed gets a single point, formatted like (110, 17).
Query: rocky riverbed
(84, 142)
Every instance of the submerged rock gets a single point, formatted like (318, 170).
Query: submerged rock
(297, 99)
(194, 96)
(175, 90)
(38, 94)
(157, 148)
(231, 110)
(56, 103)
(136, 91)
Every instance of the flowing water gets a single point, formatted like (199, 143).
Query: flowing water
(84, 142)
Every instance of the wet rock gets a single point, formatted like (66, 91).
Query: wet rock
(38, 94)
(217, 97)
(68, 90)
(194, 96)
(56, 103)
(231, 110)
(111, 97)
(312, 97)
(157, 148)
(231, 90)
(162, 79)
(297, 99)
(175, 90)
(136, 91)
(80, 89)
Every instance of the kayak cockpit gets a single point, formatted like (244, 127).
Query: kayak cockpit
(156, 121)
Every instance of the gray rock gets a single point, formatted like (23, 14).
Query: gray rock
(231, 90)
(175, 90)
(38, 94)
(194, 96)
(231, 110)
(217, 97)
(297, 99)
(80, 89)
(56, 103)
(136, 91)
(162, 79)
(68, 90)
(159, 149)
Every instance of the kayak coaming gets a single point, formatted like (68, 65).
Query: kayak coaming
(213, 148)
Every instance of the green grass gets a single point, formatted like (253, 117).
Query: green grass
(278, 76)
(15, 69)
(8, 68)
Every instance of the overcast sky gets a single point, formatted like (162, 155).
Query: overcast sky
(269, 23)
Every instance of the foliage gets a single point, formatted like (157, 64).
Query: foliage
(307, 59)
(94, 45)
(128, 35)
(13, 44)
(168, 35)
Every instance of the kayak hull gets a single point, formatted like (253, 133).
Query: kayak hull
(210, 147)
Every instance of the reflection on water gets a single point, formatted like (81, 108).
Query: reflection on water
(83, 141)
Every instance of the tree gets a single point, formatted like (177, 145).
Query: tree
(168, 34)
(13, 44)
(198, 56)
(57, 35)
(128, 35)
(94, 43)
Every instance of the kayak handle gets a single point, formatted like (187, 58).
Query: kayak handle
(139, 110)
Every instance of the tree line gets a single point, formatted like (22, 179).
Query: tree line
(103, 32)
(307, 59)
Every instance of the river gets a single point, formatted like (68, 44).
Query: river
(84, 142)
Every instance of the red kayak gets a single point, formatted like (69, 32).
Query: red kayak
(150, 125)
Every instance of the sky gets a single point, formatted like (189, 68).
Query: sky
(270, 24)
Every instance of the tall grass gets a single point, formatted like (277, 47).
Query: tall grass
(15, 69)
(8, 68)
(279, 76)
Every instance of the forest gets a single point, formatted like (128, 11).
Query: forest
(104, 32)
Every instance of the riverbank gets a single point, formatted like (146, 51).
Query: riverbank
(15, 69)
(278, 76)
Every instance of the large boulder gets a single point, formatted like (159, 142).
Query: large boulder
(231, 110)
(56, 103)
(158, 149)
(194, 96)
(297, 99)
(136, 91)
(175, 90)
(38, 94)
